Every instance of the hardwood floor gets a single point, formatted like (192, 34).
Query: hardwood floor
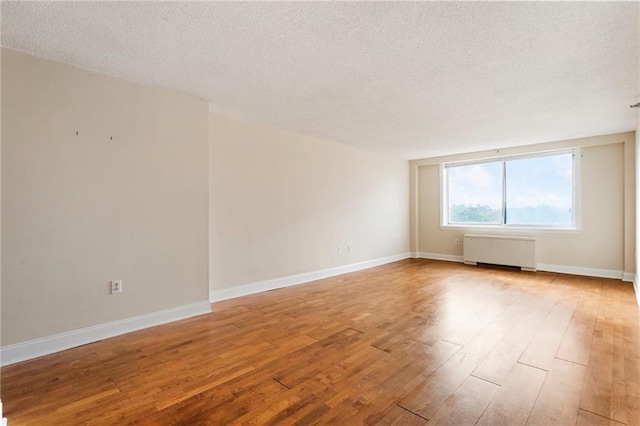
(413, 342)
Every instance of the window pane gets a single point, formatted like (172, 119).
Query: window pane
(475, 193)
(540, 191)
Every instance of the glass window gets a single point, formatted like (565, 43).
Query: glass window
(475, 193)
(534, 190)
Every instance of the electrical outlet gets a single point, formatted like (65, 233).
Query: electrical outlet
(116, 286)
(348, 249)
(457, 241)
(339, 249)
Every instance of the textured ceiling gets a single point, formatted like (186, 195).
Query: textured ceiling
(408, 79)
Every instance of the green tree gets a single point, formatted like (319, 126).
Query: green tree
(464, 213)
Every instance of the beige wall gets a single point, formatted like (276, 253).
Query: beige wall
(629, 212)
(0, 219)
(81, 210)
(637, 216)
(78, 211)
(607, 237)
(282, 204)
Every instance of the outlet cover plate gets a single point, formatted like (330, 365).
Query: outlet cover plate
(116, 286)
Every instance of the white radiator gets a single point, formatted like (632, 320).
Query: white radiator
(500, 250)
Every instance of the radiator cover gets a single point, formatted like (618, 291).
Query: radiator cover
(500, 250)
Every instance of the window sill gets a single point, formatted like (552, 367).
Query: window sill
(506, 230)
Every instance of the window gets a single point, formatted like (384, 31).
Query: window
(520, 191)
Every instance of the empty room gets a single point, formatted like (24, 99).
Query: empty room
(343, 213)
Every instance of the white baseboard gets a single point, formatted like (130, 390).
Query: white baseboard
(23, 351)
(440, 256)
(579, 270)
(562, 269)
(291, 280)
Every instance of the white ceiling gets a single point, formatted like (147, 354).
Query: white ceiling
(408, 79)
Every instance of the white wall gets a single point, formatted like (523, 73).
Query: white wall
(606, 241)
(78, 211)
(282, 204)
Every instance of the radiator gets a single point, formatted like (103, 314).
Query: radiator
(500, 250)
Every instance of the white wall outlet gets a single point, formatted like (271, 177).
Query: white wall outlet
(457, 241)
(339, 249)
(116, 286)
(348, 249)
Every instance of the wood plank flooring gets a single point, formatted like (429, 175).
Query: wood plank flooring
(410, 343)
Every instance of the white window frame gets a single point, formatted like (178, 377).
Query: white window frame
(576, 210)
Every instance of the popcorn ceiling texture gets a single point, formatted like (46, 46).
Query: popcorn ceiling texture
(408, 79)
